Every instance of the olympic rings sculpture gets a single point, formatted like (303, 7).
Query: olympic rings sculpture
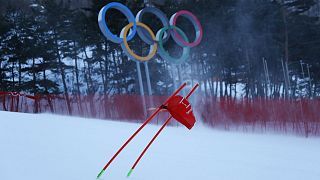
(136, 26)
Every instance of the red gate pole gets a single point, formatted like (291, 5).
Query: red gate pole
(163, 126)
(137, 131)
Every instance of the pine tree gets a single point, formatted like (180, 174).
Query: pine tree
(14, 43)
(57, 24)
(4, 28)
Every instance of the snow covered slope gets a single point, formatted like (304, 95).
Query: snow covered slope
(47, 147)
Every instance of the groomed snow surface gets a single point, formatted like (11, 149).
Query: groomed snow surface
(48, 147)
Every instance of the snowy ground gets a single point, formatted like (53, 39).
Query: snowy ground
(37, 147)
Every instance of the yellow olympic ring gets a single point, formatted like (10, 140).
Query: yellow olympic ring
(153, 48)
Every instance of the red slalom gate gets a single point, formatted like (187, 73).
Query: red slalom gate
(184, 117)
(140, 128)
(165, 104)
